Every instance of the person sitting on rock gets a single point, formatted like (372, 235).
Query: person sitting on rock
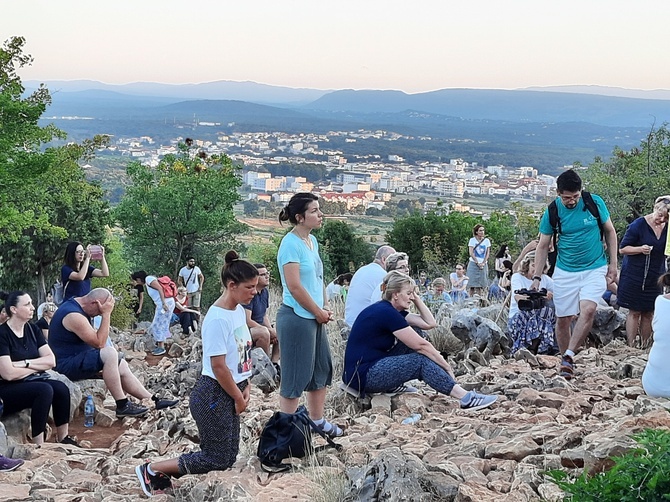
(25, 356)
(188, 318)
(656, 375)
(459, 284)
(383, 351)
(83, 352)
(436, 296)
(532, 328)
(222, 392)
(45, 319)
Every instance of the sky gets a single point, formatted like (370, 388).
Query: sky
(413, 46)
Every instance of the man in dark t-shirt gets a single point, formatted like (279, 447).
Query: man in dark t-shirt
(263, 333)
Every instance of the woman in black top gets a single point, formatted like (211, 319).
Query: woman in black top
(24, 357)
(44, 321)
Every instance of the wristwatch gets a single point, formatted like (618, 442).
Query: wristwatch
(27, 363)
(537, 278)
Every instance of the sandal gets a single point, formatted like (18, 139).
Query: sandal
(330, 430)
(567, 368)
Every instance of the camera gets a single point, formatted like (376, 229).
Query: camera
(535, 300)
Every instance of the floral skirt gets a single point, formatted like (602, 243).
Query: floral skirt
(528, 325)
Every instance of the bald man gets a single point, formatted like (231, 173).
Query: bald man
(364, 282)
(83, 352)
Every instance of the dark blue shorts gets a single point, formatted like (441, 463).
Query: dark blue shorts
(81, 366)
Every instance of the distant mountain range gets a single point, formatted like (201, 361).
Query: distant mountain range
(574, 124)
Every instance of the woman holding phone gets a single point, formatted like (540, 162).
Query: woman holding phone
(77, 271)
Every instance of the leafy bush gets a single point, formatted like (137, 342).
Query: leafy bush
(641, 474)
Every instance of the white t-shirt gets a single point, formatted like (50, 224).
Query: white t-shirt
(191, 278)
(656, 375)
(520, 281)
(363, 283)
(333, 290)
(153, 293)
(225, 332)
(453, 277)
(479, 249)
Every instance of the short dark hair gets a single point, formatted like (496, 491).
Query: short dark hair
(476, 228)
(569, 181)
(259, 266)
(140, 274)
(297, 205)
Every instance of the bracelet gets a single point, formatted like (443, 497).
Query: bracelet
(27, 363)
(537, 278)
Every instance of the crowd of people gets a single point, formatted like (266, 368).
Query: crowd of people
(552, 291)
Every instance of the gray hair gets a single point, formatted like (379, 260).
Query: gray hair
(393, 259)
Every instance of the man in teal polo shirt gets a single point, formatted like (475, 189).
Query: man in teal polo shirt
(582, 267)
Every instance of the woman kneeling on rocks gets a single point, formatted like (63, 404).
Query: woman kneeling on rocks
(24, 357)
(383, 351)
(222, 391)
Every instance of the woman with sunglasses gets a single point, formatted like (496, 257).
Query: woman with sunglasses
(77, 271)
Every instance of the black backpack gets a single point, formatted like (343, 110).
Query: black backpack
(589, 204)
(289, 435)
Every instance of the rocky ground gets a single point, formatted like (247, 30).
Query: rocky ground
(540, 422)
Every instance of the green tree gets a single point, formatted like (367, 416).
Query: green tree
(630, 181)
(182, 207)
(341, 248)
(21, 137)
(45, 199)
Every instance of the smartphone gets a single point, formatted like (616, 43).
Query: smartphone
(96, 252)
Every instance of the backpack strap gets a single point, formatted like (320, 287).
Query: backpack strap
(317, 429)
(554, 221)
(591, 205)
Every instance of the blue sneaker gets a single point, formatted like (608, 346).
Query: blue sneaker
(474, 401)
(9, 464)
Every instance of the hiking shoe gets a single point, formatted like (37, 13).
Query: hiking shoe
(152, 485)
(161, 404)
(474, 401)
(158, 351)
(9, 464)
(71, 441)
(567, 368)
(131, 410)
(402, 389)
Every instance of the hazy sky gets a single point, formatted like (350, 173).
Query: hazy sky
(408, 45)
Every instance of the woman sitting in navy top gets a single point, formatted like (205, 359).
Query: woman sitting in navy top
(383, 351)
(76, 272)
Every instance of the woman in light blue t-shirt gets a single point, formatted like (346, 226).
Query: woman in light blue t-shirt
(306, 365)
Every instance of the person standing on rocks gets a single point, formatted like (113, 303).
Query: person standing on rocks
(192, 279)
(83, 352)
(160, 326)
(582, 268)
(302, 317)
(222, 392)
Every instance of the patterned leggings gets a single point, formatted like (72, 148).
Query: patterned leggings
(404, 364)
(160, 326)
(218, 427)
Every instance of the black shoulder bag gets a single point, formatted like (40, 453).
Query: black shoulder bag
(289, 435)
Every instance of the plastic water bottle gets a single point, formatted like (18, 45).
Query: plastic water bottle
(412, 419)
(89, 412)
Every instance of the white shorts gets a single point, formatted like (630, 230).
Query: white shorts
(570, 288)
